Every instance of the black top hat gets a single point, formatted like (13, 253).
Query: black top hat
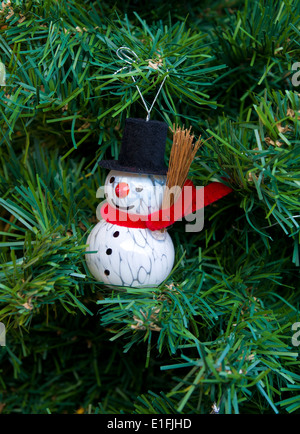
(143, 148)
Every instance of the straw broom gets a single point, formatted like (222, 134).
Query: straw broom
(182, 154)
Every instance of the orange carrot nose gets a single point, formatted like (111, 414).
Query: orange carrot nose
(122, 189)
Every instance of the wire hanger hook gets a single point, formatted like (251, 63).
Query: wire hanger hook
(122, 54)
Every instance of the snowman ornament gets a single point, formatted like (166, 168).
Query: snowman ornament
(121, 251)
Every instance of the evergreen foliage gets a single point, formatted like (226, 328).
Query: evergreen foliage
(219, 330)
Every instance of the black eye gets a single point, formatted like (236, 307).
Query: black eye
(139, 189)
(112, 179)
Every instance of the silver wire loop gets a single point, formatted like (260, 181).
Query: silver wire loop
(122, 54)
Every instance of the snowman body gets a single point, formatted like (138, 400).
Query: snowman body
(129, 256)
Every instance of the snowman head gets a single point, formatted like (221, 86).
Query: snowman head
(134, 193)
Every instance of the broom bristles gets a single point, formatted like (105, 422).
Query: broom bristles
(182, 154)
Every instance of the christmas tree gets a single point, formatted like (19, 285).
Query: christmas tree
(220, 334)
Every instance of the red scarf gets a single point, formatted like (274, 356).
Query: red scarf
(163, 218)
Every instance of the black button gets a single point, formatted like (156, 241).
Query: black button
(116, 234)
(108, 251)
(107, 272)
